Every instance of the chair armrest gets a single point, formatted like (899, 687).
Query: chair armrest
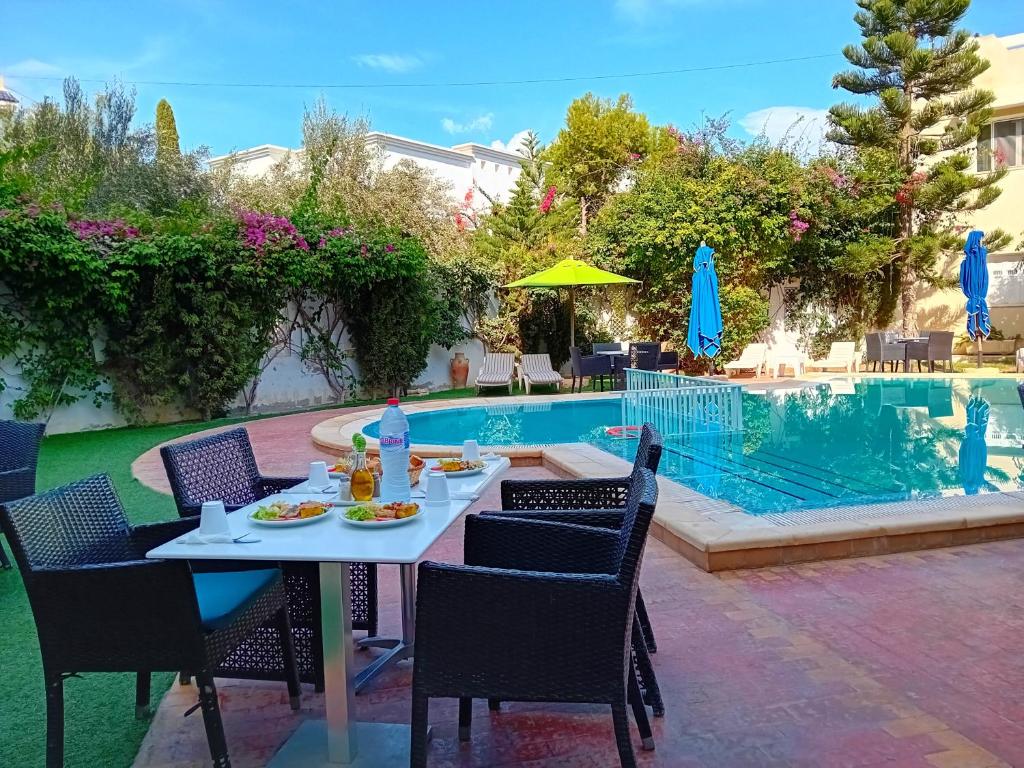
(537, 545)
(17, 483)
(147, 537)
(600, 493)
(527, 630)
(126, 609)
(271, 485)
(595, 518)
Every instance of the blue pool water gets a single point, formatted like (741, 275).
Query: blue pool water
(846, 442)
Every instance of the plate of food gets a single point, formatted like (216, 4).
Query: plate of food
(459, 467)
(284, 514)
(372, 515)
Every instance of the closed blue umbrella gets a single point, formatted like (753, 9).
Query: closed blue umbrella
(973, 450)
(704, 336)
(974, 284)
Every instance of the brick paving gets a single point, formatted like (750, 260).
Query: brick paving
(909, 660)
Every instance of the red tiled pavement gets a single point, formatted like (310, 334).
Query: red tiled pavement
(909, 660)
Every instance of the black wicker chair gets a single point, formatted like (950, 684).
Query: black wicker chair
(101, 606)
(645, 355)
(937, 347)
(222, 467)
(594, 501)
(599, 503)
(19, 452)
(668, 360)
(524, 583)
(879, 350)
(594, 366)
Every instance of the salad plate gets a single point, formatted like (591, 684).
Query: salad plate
(371, 515)
(282, 514)
(459, 467)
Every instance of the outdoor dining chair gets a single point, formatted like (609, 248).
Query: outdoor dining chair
(100, 606)
(19, 453)
(881, 351)
(597, 502)
(545, 614)
(936, 347)
(222, 467)
(668, 360)
(644, 355)
(594, 366)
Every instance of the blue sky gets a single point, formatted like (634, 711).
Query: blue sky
(306, 44)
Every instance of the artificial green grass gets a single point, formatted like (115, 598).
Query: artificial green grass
(100, 726)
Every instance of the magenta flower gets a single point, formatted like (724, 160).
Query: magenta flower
(86, 229)
(389, 248)
(797, 226)
(549, 198)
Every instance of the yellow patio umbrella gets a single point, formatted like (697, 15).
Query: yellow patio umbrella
(569, 273)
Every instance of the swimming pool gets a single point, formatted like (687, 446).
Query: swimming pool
(849, 441)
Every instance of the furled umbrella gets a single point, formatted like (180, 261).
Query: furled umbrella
(973, 450)
(974, 284)
(704, 336)
(570, 273)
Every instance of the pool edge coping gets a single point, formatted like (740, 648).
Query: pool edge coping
(716, 535)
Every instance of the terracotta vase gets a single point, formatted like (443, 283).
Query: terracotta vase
(460, 370)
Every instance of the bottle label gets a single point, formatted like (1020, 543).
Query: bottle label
(394, 441)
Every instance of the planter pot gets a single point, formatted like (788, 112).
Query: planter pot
(459, 370)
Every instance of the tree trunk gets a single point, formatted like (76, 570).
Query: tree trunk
(908, 299)
(583, 217)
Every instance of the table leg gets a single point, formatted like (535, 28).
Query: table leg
(398, 648)
(339, 696)
(340, 740)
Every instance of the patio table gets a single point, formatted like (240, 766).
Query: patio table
(340, 740)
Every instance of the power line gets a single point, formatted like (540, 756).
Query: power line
(464, 84)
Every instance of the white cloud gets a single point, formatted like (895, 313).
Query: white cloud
(32, 68)
(803, 126)
(389, 62)
(480, 123)
(512, 145)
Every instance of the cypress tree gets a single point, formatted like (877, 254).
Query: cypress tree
(167, 146)
(920, 67)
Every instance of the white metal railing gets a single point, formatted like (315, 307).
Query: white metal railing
(638, 379)
(690, 405)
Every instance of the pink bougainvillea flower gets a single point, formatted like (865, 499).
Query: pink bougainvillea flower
(390, 248)
(797, 226)
(549, 198)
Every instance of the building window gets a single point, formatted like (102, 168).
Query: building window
(1007, 285)
(999, 145)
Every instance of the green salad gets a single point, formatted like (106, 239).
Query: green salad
(361, 513)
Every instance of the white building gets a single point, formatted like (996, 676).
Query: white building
(464, 166)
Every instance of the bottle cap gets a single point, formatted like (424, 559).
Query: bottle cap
(392, 401)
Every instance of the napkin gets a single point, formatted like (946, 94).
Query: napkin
(197, 538)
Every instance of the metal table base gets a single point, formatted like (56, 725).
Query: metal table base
(340, 740)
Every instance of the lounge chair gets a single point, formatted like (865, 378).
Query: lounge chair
(753, 359)
(841, 355)
(496, 371)
(536, 370)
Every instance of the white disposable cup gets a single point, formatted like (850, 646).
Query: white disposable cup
(213, 519)
(345, 489)
(318, 476)
(470, 451)
(436, 492)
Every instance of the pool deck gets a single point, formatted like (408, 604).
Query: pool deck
(716, 535)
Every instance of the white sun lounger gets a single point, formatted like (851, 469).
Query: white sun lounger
(842, 355)
(496, 371)
(752, 359)
(536, 370)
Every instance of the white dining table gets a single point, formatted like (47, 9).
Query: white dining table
(334, 544)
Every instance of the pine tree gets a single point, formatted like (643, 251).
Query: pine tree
(920, 66)
(167, 146)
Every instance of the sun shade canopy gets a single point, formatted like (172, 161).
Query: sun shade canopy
(570, 272)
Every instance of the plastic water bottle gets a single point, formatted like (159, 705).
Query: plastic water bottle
(394, 454)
